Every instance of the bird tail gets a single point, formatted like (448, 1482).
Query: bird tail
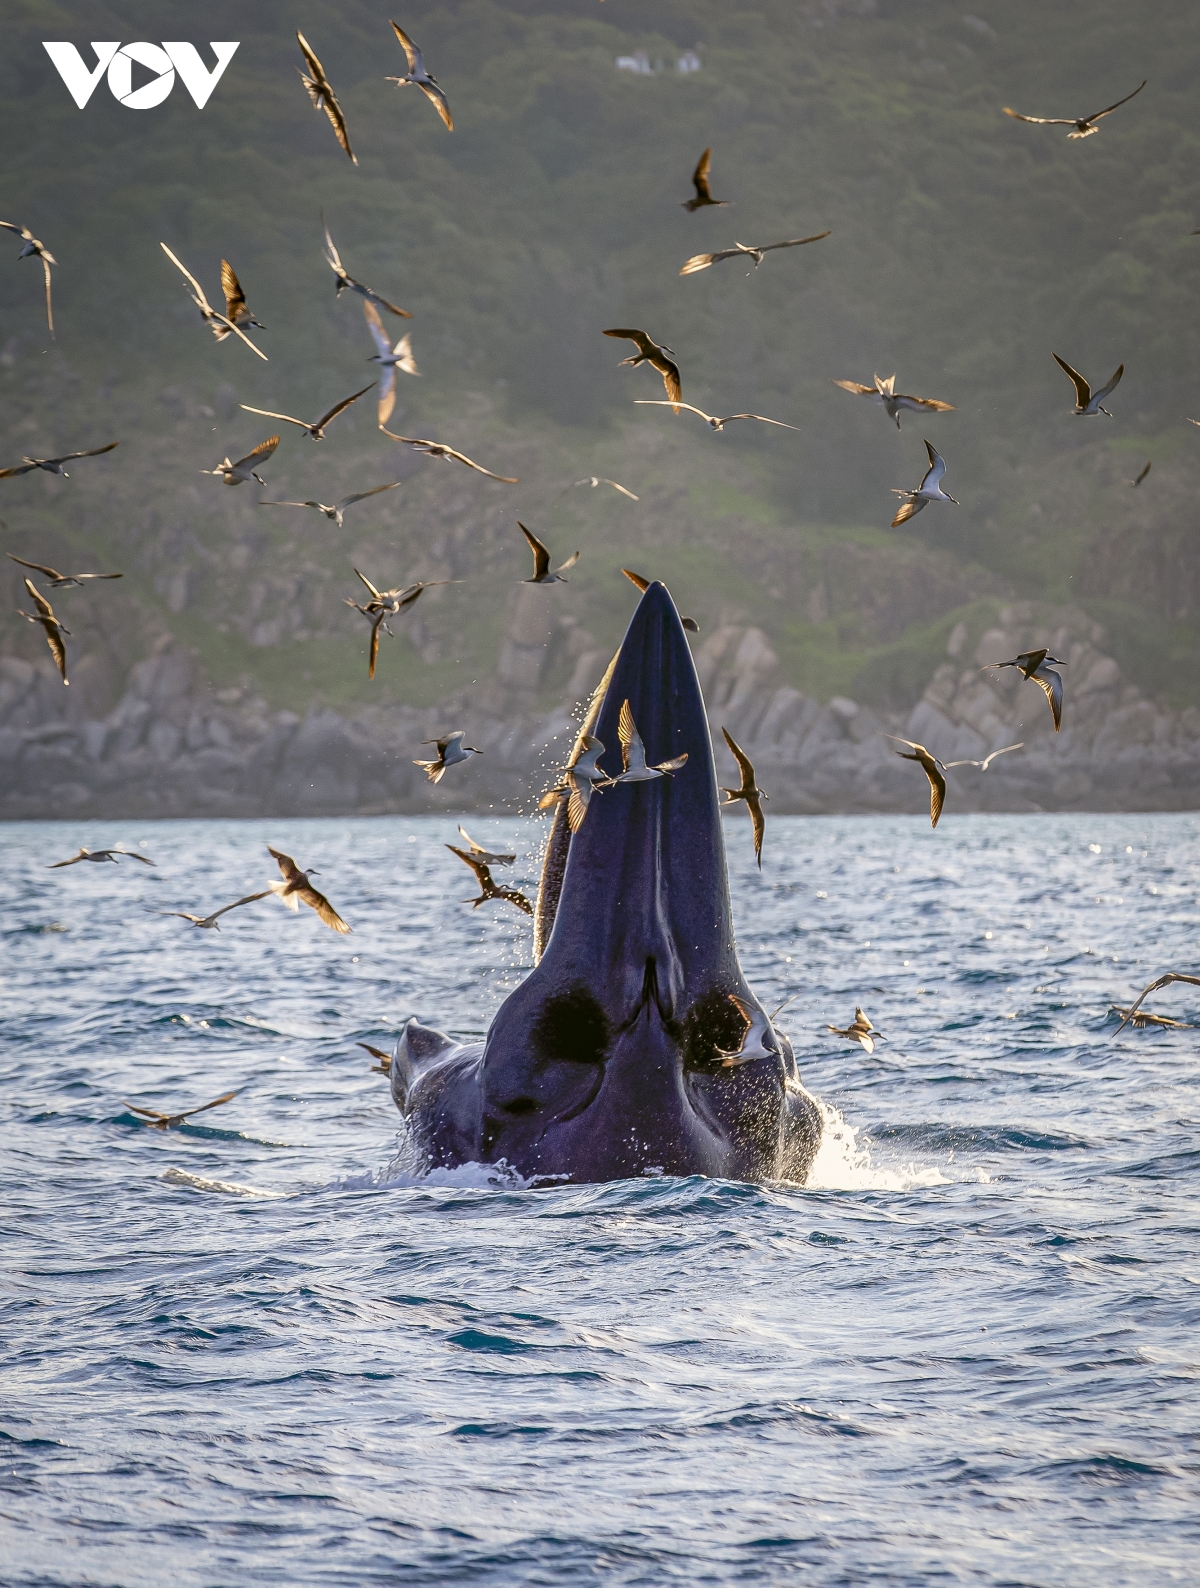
(432, 769)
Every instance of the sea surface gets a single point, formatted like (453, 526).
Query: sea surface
(257, 1349)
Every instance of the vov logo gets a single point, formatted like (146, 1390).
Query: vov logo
(164, 61)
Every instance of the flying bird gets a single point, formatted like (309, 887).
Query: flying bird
(333, 511)
(243, 469)
(584, 777)
(296, 889)
(389, 359)
(345, 280)
(489, 888)
(633, 754)
(157, 1121)
(34, 247)
(710, 420)
(1034, 666)
(650, 352)
(934, 771)
(209, 922)
(884, 392)
(420, 78)
(1088, 402)
(219, 324)
(541, 561)
(323, 96)
(929, 490)
(594, 480)
(744, 251)
(644, 584)
(700, 183)
(478, 852)
(51, 627)
(1142, 475)
(59, 581)
(748, 790)
(436, 449)
(754, 1046)
(377, 617)
(54, 465)
(1084, 126)
(1140, 1019)
(451, 750)
(236, 310)
(100, 855)
(394, 601)
(988, 759)
(859, 1030)
(1163, 981)
(316, 427)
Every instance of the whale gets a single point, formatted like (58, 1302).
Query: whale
(619, 1055)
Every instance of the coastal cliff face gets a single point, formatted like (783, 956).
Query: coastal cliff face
(172, 746)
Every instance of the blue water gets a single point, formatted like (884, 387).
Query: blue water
(256, 1349)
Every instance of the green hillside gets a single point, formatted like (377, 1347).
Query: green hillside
(966, 247)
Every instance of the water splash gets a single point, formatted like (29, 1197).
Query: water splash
(843, 1162)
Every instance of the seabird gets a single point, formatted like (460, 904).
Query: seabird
(884, 392)
(480, 853)
(650, 352)
(1088, 402)
(748, 791)
(596, 479)
(33, 246)
(54, 465)
(383, 1061)
(209, 922)
(59, 581)
(929, 490)
(436, 449)
(1084, 126)
(394, 601)
(344, 280)
(1140, 1019)
(100, 855)
(1033, 665)
(490, 889)
(633, 754)
(220, 325)
(700, 183)
(296, 889)
(1142, 475)
(710, 420)
(243, 469)
(859, 1030)
(541, 561)
(51, 627)
(333, 511)
(1163, 981)
(420, 78)
(236, 310)
(390, 359)
(988, 759)
(451, 750)
(583, 778)
(644, 584)
(754, 1041)
(744, 251)
(316, 427)
(933, 769)
(323, 96)
(157, 1121)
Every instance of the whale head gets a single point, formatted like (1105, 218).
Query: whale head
(607, 1061)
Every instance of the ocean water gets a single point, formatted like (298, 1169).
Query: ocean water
(257, 1350)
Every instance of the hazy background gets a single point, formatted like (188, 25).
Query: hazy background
(965, 247)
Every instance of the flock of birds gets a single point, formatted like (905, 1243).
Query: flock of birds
(584, 776)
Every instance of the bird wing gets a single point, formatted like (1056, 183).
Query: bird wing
(756, 816)
(93, 452)
(263, 450)
(513, 897)
(439, 102)
(49, 309)
(857, 387)
(643, 342)
(908, 510)
(689, 268)
(286, 864)
(1120, 102)
(700, 176)
(235, 298)
(324, 98)
(412, 53)
(98, 576)
(1083, 392)
(937, 787)
(333, 258)
(762, 419)
(449, 452)
(43, 606)
(902, 400)
(82, 855)
(669, 371)
(385, 1059)
(476, 849)
(387, 395)
(216, 1103)
(1104, 390)
(202, 302)
(570, 563)
(375, 325)
(1162, 981)
(634, 578)
(482, 875)
(320, 81)
(1051, 685)
(361, 496)
(402, 353)
(57, 649)
(671, 766)
(745, 766)
(937, 467)
(267, 414)
(633, 752)
(793, 242)
(318, 902)
(541, 557)
(987, 760)
(263, 503)
(19, 468)
(374, 654)
(338, 407)
(21, 231)
(150, 1113)
(1138, 481)
(249, 899)
(1041, 121)
(51, 573)
(577, 804)
(132, 854)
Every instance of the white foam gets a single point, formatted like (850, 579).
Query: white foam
(229, 1188)
(844, 1164)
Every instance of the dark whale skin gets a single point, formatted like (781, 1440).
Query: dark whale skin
(604, 1064)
